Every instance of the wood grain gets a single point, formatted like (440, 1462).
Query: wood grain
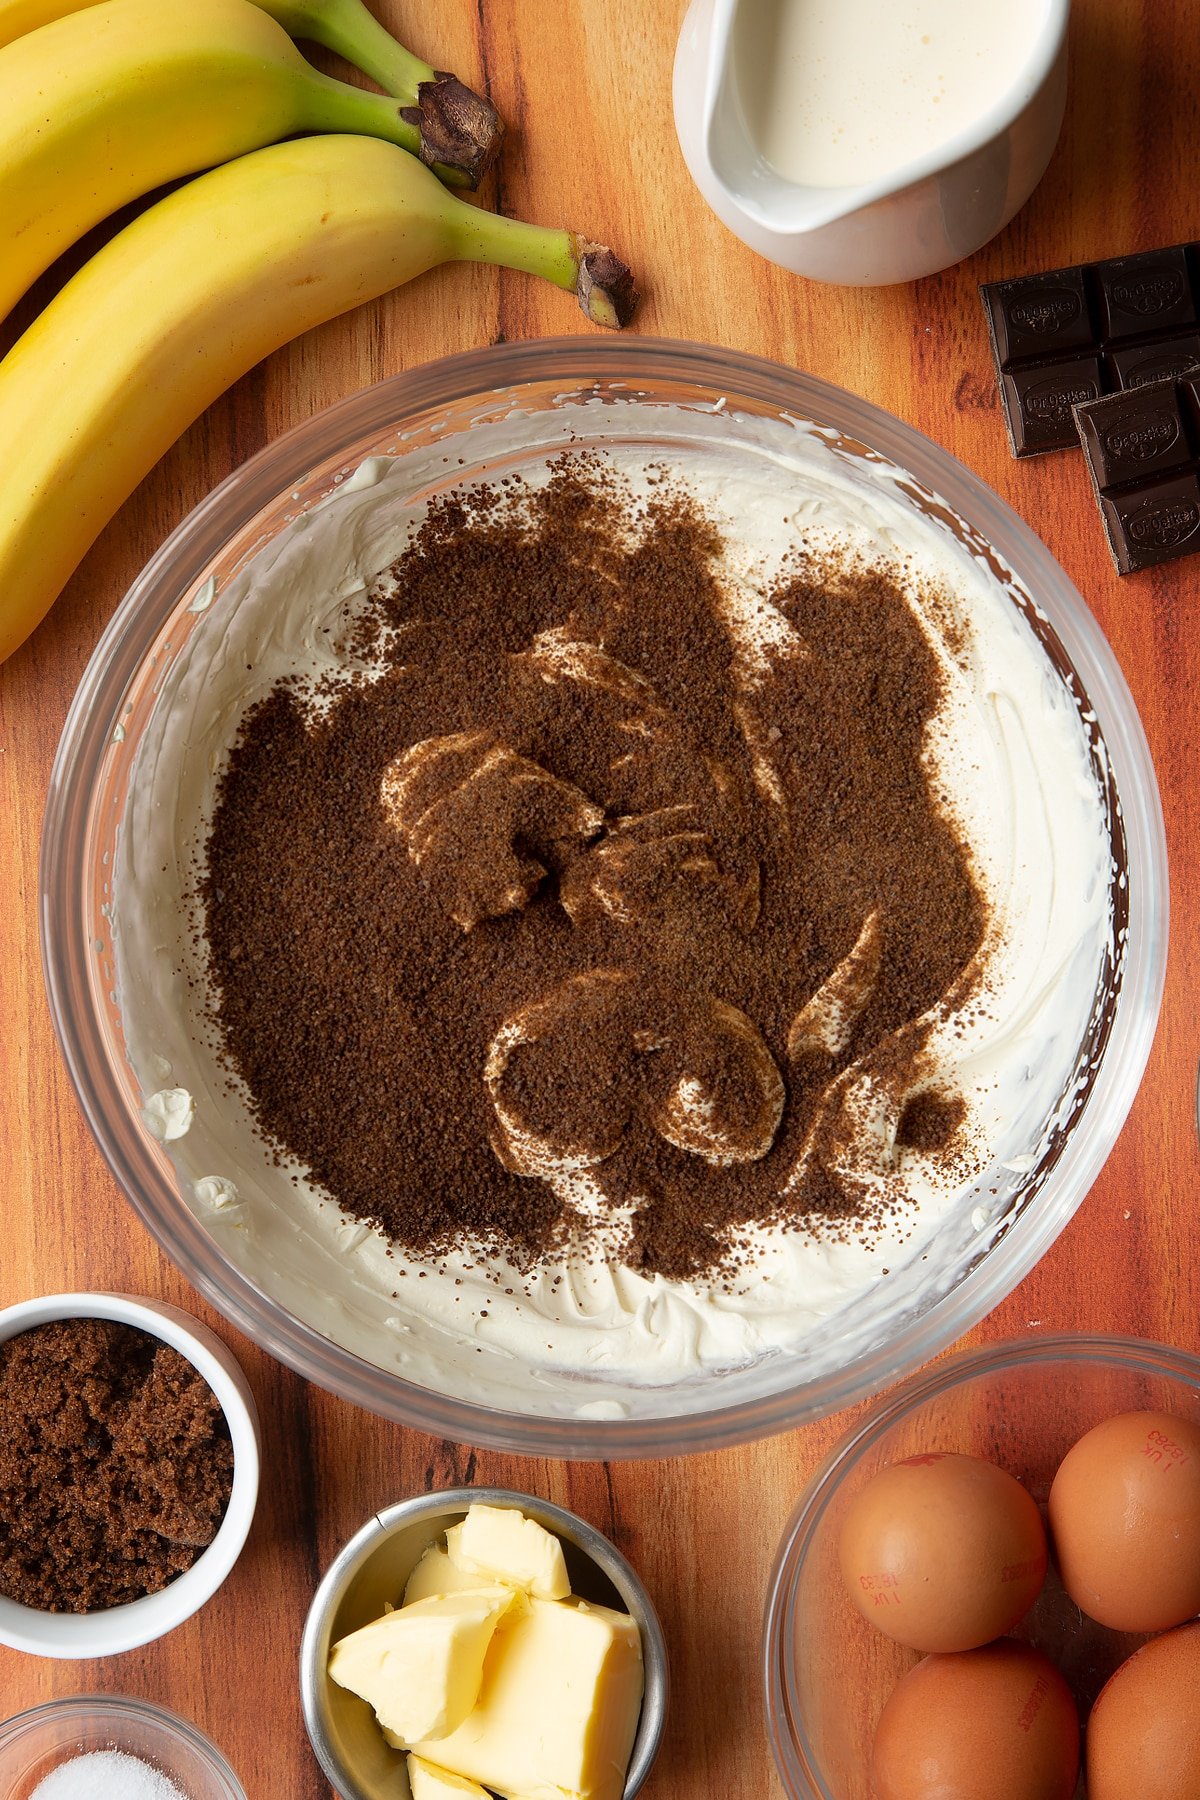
(587, 88)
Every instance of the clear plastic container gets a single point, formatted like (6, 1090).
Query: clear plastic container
(36, 1742)
(828, 1672)
(876, 1339)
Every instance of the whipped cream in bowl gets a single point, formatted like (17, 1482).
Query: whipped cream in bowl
(597, 1338)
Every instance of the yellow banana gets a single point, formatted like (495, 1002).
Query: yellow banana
(198, 289)
(102, 106)
(17, 17)
(456, 131)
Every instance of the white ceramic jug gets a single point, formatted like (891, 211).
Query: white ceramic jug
(920, 218)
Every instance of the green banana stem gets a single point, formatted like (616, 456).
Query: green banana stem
(339, 106)
(603, 283)
(347, 27)
(455, 131)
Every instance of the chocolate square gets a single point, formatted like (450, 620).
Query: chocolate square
(1155, 523)
(1039, 401)
(1162, 361)
(1135, 435)
(1039, 315)
(1145, 293)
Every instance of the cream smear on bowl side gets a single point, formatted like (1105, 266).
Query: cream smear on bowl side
(837, 93)
(1009, 745)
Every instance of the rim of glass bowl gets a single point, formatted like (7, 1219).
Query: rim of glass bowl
(794, 1759)
(699, 376)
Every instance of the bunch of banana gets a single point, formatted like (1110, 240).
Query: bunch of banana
(106, 104)
(102, 104)
(192, 294)
(452, 128)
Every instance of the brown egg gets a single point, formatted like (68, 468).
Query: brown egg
(943, 1552)
(1125, 1519)
(992, 1724)
(1143, 1736)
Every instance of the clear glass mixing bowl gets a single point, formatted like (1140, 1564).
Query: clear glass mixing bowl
(828, 1672)
(434, 410)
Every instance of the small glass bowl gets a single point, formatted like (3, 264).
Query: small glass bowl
(36, 1742)
(1022, 1405)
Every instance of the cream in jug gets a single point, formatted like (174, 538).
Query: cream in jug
(838, 92)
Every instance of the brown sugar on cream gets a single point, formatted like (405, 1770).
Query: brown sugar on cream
(583, 909)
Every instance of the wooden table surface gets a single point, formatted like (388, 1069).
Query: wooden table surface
(587, 91)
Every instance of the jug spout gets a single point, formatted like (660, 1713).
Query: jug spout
(735, 32)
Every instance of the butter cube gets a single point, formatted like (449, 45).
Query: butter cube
(421, 1668)
(558, 1707)
(498, 1543)
(427, 1783)
(436, 1574)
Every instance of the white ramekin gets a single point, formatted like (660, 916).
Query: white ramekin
(73, 1635)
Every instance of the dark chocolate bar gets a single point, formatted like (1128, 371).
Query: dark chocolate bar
(1143, 453)
(1069, 336)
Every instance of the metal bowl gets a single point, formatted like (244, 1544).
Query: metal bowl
(371, 1572)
